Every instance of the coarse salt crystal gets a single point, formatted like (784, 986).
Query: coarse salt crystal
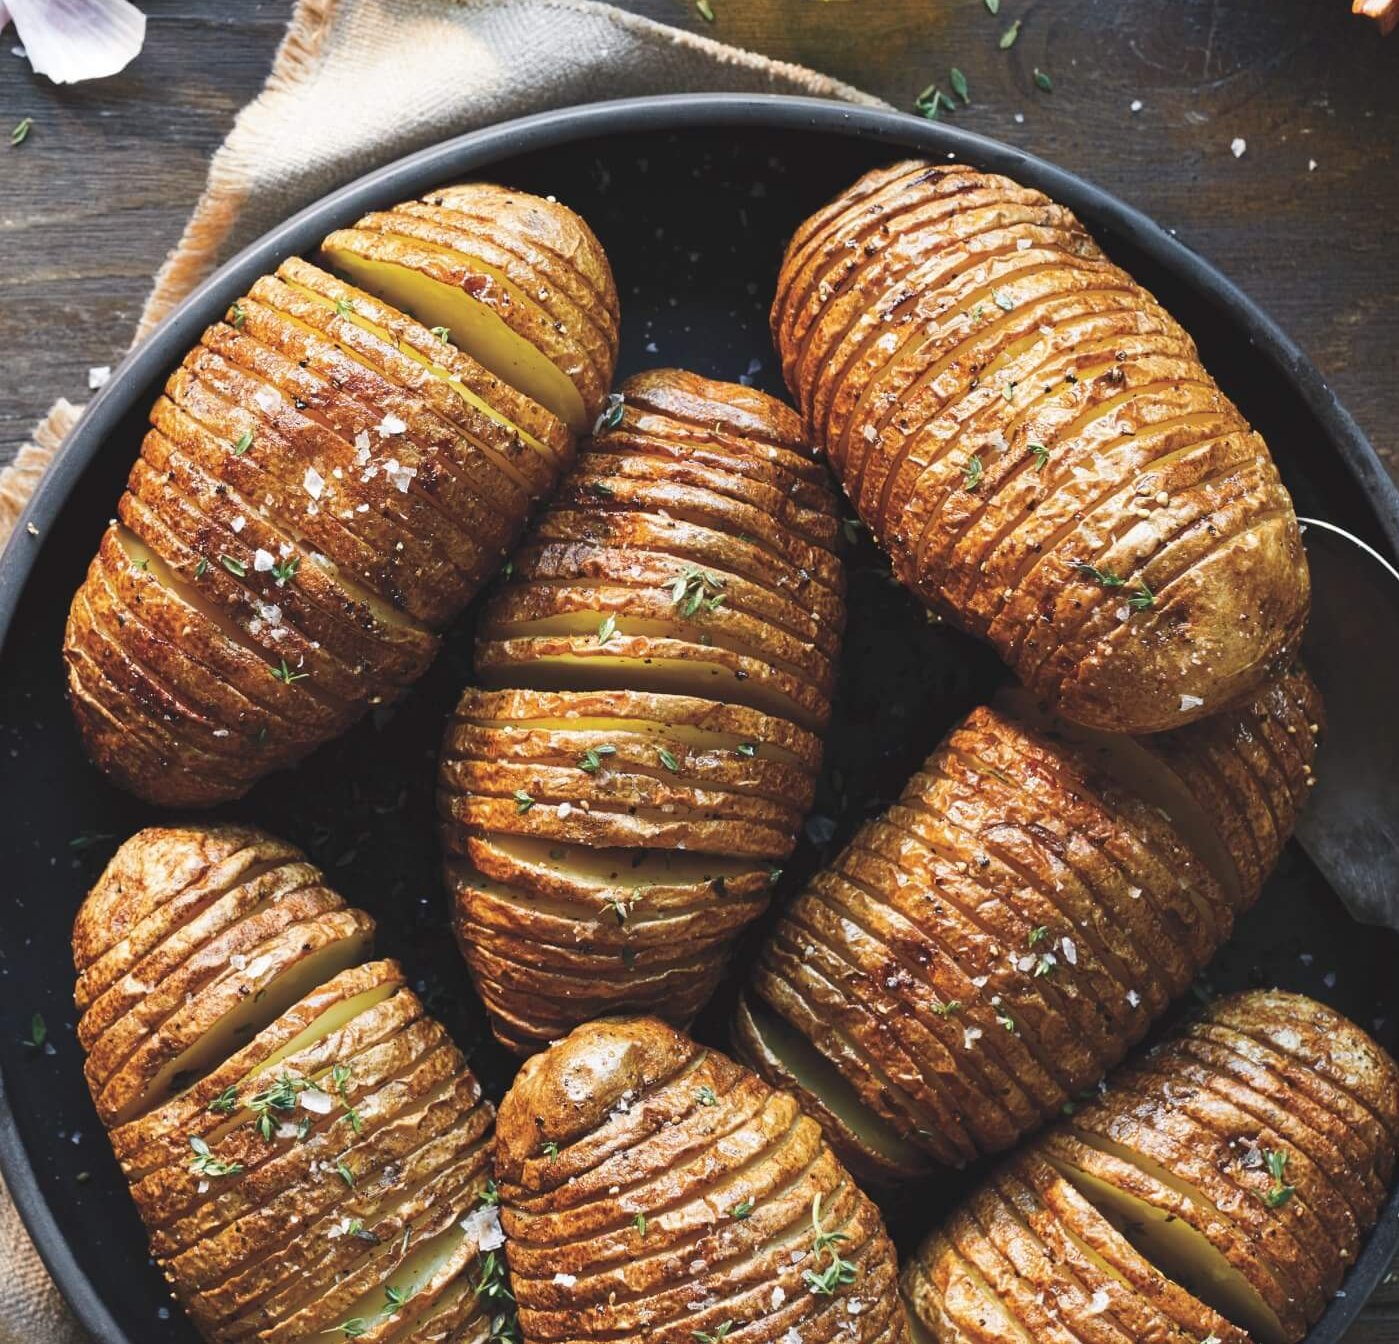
(970, 1036)
(239, 523)
(262, 560)
(1135, 105)
(1133, 998)
(1098, 1303)
(1190, 702)
(391, 424)
(313, 482)
(1023, 244)
(1070, 951)
(779, 1296)
(401, 476)
(316, 1101)
(565, 1280)
(1311, 165)
(484, 1226)
(1237, 146)
(266, 399)
(98, 376)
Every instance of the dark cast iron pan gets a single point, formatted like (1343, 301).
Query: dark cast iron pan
(694, 198)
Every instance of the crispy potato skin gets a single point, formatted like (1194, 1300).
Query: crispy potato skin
(326, 484)
(651, 1189)
(661, 660)
(996, 941)
(282, 1184)
(1034, 441)
(1251, 1112)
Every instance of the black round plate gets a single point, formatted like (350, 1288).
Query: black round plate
(693, 197)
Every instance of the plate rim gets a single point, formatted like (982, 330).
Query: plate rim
(419, 171)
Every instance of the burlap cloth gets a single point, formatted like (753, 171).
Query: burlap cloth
(436, 68)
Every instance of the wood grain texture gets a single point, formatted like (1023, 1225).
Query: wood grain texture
(92, 200)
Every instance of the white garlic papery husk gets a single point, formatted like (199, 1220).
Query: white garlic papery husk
(72, 40)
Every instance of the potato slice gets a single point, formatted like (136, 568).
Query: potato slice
(997, 940)
(672, 625)
(320, 1123)
(622, 1146)
(1167, 1210)
(1034, 441)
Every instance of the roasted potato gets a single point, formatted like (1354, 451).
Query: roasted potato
(309, 1152)
(1218, 1189)
(326, 483)
(984, 951)
(1034, 441)
(652, 1189)
(669, 635)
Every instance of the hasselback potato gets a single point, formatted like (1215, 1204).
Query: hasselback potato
(308, 1150)
(325, 484)
(652, 1189)
(987, 948)
(1034, 441)
(668, 636)
(1218, 1189)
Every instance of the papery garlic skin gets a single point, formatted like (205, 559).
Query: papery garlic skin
(73, 40)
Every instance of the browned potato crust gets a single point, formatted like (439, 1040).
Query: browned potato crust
(995, 942)
(1034, 441)
(670, 628)
(653, 1189)
(1209, 1192)
(326, 483)
(308, 1151)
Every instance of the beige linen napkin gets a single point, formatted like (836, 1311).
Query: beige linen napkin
(436, 68)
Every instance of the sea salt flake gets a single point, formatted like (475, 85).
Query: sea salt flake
(391, 424)
(484, 1226)
(1070, 951)
(1098, 1303)
(262, 560)
(313, 482)
(1023, 244)
(239, 523)
(779, 1296)
(266, 399)
(98, 376)
(1133, 998)
(970, 1036)
(565, 1280)
(1190, 702)
(401, 476)
(316, 1101)
(1237, 146)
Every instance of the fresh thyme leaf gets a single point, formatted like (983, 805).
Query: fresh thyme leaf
(202, 568)
(286, 676)
(1281, 1192)
(1008, 37)
(694, 590)
(706, 10)
(1043, 81)
(1041, 455)
(742, 1209)
(612, 413)
(285, 570)
(226, 1102)
(1105, 577)
(959, 84)
(343, 1171)
(668, 759)
(489, 1196)
(21, 131)
(351, 1329)
(442, 333)
(234, 567)
(947, 1009)
(1038, 934)
(591, 760)
(550, 1150)
(38, 1032)
(236, 315)
(747, 748)
(242, 443)
(204, 1163)
(523, 802)
(993, 7)
(712, 1338)
(706, 1096)
(606, 629)
(639, 1222)
(1142, 598)
(344, 307)
(972, 472)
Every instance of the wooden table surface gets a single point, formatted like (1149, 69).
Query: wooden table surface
(1304, 219)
